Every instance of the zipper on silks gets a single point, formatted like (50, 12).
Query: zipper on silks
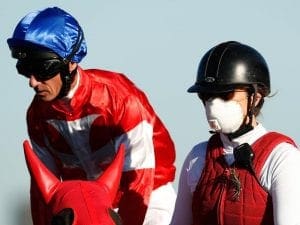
(221, 202)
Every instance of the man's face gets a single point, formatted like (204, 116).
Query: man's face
(46, 90)
(44, 76)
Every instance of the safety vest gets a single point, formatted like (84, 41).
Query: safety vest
(227, 195)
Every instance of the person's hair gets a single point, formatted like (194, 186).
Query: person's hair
(264, 93)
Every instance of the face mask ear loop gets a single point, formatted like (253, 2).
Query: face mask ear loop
(251, 104)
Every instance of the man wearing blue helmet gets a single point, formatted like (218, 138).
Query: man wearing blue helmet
(78, 118)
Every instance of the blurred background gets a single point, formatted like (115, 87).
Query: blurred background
(158, 45)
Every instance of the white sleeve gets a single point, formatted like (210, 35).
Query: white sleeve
(280, 176)
(183, 207)
(189, 177)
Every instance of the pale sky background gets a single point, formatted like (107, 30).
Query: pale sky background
(158, 45)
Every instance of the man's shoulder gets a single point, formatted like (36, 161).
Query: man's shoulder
(102, 74)
(111, 79)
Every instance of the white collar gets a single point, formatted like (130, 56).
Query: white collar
(250, 137)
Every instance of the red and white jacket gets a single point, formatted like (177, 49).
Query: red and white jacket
(77, 138)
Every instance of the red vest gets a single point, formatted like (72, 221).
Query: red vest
(219, 200)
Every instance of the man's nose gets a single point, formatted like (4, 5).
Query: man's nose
(33, 82)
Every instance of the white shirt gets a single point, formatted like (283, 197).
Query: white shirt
(280, 176)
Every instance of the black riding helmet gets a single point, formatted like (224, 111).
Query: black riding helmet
(228, 65)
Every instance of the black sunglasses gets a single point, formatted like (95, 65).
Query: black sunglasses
(223, 95)
(42, 70)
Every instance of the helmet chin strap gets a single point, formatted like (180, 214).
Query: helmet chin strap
(67, 79)
(246, 127)
(242, 130)
(66, 76)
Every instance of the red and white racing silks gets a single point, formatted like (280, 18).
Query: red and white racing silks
(77, 138)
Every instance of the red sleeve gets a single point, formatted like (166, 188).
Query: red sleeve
(136, 187)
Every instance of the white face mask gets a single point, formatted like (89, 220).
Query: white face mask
(224, 116)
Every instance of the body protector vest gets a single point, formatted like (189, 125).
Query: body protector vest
(228, 195)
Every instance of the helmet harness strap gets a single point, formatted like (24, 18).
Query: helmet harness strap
(67, 77)
(246, 127)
